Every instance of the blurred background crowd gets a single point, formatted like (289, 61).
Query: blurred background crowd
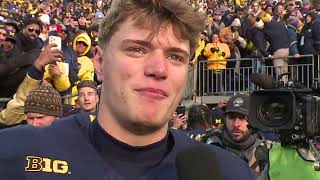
(234, 29)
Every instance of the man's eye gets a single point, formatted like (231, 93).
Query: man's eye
(136, 50)
(175, 57)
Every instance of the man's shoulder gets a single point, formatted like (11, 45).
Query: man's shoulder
(25, 136)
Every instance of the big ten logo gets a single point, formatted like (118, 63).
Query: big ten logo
(36, 164)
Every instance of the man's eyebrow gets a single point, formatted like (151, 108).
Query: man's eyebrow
(140, 42)
(178, 50)
(148, 44)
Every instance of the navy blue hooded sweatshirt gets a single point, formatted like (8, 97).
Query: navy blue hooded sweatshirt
(74, 149)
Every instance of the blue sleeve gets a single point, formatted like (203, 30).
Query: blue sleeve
(34, 73)
(293, 39)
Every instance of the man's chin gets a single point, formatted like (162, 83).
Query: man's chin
(143, 128)
(33, 39)
(237, 138)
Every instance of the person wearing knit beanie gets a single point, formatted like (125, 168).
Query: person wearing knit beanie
(43, 106)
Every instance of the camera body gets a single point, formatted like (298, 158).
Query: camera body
(292, 113)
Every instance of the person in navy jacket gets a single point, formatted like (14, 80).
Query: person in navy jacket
(142, 60)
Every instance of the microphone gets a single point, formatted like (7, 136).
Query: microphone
(263, 81)
(197, 163)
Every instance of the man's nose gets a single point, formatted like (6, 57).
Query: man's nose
(156, 66)
(86, 97)
(237, 122)
(36, 122)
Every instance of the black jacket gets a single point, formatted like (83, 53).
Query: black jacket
(14, 69)
(306, 40)
(259, 41)
(316, 35)
(277, 35)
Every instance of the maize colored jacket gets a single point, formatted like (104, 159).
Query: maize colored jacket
(61, 83)
(217, 60)
(86, 70)
(14, 113)
(201, 46)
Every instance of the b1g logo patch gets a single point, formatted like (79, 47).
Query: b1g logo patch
(39, 164)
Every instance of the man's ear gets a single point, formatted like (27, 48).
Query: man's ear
(97, 62)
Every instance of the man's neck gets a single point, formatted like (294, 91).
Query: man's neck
(116, 130)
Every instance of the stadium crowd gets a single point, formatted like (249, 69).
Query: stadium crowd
(46, 83)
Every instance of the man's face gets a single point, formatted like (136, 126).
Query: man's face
(7, 46)
(236, 125)
(88, 99)
(143, 78)
(10, 28)
(63, 35)
(269, 10)
(255, 7)
(39, 120)
(279, 9)
(217, 17)
(32, 31)
(81, 47)
(308, 19)
(3, 34)
(291, 6)
(68, 19)
(215, 38)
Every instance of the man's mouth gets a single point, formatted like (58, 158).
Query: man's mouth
(236, 132)
(153, 93)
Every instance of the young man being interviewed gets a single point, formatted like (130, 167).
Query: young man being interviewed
(142, 60)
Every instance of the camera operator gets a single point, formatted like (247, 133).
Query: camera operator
(238, 138)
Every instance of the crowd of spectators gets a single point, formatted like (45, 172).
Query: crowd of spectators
(25, 28)
(268, 30)
(240, 29)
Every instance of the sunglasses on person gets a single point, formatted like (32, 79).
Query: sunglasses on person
(68, 17)
(81, 43)
(37, 31)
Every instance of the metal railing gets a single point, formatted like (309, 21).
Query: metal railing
(208, 82)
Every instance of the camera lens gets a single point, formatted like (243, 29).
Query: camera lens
(273, 112)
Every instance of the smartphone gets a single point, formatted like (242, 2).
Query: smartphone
(55, 40)
(181, 110)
